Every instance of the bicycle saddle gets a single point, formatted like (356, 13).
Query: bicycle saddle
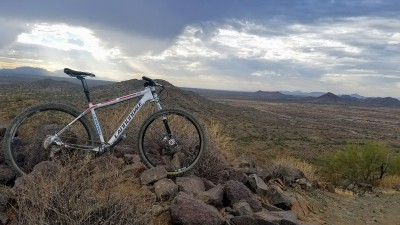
(74, 73)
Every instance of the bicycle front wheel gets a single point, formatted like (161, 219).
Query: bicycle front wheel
(171, 138)
(24, 141)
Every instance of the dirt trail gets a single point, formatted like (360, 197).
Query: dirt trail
(377, 208)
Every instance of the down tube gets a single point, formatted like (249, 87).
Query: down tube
(129, 118)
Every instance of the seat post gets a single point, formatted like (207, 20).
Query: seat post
(85, 87)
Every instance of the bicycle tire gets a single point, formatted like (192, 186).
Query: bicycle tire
(23, 141)
(183, 126)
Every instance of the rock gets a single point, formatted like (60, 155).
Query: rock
(234, 174)
(304, 184)
(270, 207)
(300, 206)
(282, 217)
(277, 182)
(165, 189)
(214, 196)
(152, 175)
(131, 158)
(6, 174)
(244, 220)
(257, 184)
(236, 191)
(186, 210)
(242, 208)
(134, 169)
(190, 185)
(277, 197)
(157, 210)
(208, 184)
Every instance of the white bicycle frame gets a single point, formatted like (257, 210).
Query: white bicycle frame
(148, 94)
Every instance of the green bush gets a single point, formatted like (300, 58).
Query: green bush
(355, 163)
(394, 166)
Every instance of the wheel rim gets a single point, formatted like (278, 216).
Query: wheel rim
(27, 139)
(177, 153)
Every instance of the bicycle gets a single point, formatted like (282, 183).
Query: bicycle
(172, 138)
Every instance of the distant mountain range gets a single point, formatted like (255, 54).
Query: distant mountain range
(298, 96)
(31, 74)
(25, 77)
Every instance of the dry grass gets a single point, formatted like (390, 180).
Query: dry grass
(308, 169)
(390, 182)
(92, 192)
(218, 153)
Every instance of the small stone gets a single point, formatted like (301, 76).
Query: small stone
(157, 210)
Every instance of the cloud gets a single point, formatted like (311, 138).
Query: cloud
(67, 38)
(326, 52)
(334, 45)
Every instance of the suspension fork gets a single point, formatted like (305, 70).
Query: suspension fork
(164, 118)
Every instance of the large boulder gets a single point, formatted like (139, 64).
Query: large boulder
(152, 175)
(190, 185)
(186, 210)
(236, 191)
(165, 189)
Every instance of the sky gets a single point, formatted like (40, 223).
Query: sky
(341, 46)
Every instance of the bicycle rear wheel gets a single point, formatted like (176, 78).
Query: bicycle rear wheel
(24, 139)
(171, 138)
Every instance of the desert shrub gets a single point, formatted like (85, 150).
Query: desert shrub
(355, 163)
(92, 192)
(394, 165)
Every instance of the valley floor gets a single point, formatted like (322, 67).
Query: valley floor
(343, 209)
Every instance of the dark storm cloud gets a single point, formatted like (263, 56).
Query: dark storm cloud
(166, 19)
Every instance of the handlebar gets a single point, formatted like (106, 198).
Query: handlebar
(150, 82)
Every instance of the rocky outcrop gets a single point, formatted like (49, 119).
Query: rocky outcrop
(192, 200)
